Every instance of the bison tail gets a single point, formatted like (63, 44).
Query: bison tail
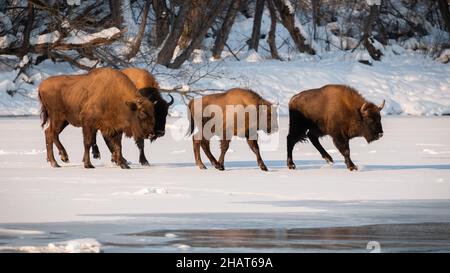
(298, 125)
(191, 120)
(44, 113)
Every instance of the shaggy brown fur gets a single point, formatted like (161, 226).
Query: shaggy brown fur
(149, 88)
(335, 110)
(105, 100)
(233, 97)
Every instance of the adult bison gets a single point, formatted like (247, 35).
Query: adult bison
(149, 88)
(104, 99)
(335, 110)
(237, 112)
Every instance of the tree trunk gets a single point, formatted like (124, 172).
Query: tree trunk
(197, 14)
(315, 15)
(162, 21)
(288, 20)
(138, 39)
(27, 31)
(222, 34)
(367, 39)
(256, 32)
(116, 13)
(213, 12)
(272, 32)
(166, 53)
(445, 13)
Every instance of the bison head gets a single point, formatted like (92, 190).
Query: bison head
(161, 109)
(371, 118)
(144, 111)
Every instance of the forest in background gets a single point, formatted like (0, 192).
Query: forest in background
(168, 32)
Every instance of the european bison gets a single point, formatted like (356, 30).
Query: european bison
(149, 88)
(105, 100)
(248, 111)
(335, 110)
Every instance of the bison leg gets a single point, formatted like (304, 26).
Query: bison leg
(212, 159)
(292, 139)
(88, 139)
(142, 158)
(315, 141)
(343, 147)
(198, 159)
(109, 144)
(224, 145)
(117, 151)
(255, 148)
(49, 145)
(62, 151)
(95, 150)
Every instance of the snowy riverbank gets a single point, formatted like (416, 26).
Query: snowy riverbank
(411, 83)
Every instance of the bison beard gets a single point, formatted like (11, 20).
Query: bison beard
(335, 110)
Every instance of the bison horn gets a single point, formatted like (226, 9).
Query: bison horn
(364, 107)
(171, 100)
(382, 104)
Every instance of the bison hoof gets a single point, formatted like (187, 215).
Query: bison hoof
(65, 158)
(145, 163)
(202, 167)
(125, 166)
(264, 168)
(353, 168)
(55, 165)
(96, 155)
(291, 166)
(221, 168)
(329, 160)
(89, 166)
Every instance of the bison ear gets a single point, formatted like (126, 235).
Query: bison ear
(132, 105)
(382, 105)
(364, 108)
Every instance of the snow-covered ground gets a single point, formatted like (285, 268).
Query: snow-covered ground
(411, 83)
(412, 161)
(174, 206)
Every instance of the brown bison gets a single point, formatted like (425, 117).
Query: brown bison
(105, 100)
(225, 111)
(335, 110)
(148, 87)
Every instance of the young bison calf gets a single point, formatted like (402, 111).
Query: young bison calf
(335, 110)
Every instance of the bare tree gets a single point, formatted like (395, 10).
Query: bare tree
(214, 9)
(28, 28)
(162, 21)
(256, 32)
(273, 29)
(224, 31)
(140, 35)
(288, 19)
(166, 53)
(367, 36)
(315, 15)
(197, 14)
(445, 13)
(116, 12)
